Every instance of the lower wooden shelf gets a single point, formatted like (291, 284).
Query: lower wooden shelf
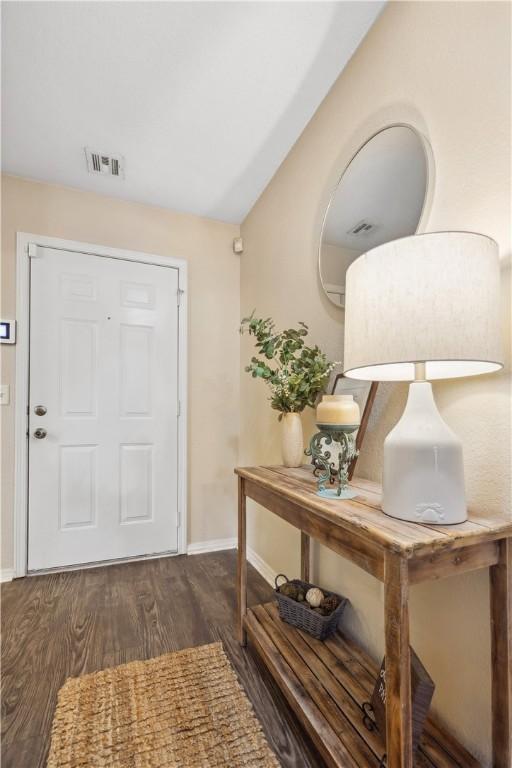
(325, 684)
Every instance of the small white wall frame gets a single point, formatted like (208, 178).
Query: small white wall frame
(24, 240)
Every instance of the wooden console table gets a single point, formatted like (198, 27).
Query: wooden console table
(326, 683)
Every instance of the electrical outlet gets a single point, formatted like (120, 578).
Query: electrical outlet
(5, 394)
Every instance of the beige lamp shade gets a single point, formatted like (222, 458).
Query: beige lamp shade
(430, 298)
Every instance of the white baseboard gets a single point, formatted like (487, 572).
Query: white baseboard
(214, 545)
(197, 548)
(261, 566)
(7, 574)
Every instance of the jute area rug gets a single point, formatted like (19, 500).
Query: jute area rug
(181, 710)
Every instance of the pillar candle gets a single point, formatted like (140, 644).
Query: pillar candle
(338, 409)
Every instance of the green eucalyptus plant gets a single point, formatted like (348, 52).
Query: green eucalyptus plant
(295, 373)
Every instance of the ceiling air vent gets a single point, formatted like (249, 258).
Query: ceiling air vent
(362, 228)
(106, 165)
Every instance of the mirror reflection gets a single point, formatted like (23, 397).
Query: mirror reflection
(379, 197)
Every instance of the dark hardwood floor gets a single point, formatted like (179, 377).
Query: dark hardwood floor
(67, 624)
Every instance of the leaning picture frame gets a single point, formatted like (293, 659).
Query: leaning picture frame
(364, 393)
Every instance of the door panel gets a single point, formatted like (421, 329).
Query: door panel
(78, 365)
(103, 483)
(77, 485)
(136, 491)
(136, 373)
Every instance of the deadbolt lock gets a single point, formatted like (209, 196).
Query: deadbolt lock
(40, 410)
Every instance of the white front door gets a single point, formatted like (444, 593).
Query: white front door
(103, 409)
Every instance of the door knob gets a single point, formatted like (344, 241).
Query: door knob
(40, 433)
(40, 410)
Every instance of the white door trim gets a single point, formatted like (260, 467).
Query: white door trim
(24, 240)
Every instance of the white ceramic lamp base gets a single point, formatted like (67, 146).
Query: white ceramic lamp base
(423, 478)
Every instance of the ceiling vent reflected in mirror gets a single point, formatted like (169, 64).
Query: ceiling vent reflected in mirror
(363, 228)
(380, 197)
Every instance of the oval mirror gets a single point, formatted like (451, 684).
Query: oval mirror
(380, 197)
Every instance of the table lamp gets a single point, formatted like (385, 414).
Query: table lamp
(417, 309)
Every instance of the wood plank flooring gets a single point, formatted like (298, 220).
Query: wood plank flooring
(68, 624)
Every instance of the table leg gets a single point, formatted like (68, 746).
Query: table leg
(242, 561)
(501, 650)
(305, 556)
(398, 663)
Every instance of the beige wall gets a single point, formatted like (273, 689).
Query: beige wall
(442, 67)
(214, 314)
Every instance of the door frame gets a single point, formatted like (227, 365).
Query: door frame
(25, 242)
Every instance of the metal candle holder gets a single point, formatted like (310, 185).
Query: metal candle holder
(332, 470)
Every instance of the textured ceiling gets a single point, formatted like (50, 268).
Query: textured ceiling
(204, 100)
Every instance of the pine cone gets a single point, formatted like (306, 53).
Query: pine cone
(289, 590)
(329, 604)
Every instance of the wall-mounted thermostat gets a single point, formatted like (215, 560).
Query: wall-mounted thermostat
(7, 331)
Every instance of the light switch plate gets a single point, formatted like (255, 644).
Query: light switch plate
(5, 394)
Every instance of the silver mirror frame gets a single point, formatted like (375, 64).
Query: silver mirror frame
(427, 201)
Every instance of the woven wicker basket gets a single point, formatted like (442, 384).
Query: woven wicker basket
(300, 615)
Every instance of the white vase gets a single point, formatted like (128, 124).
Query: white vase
(292, 440)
